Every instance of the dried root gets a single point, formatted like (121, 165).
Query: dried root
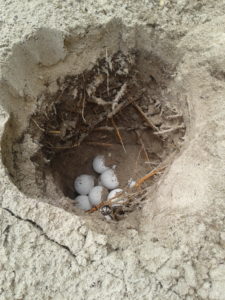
(119, 95)
(118, 135)
(127, 200)
(170, 130)
(148, 121)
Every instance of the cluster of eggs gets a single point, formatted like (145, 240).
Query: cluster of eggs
(91, 195)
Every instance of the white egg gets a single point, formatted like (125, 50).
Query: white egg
(99, 164)
(97, 195)
(82, 202)
(83, 184)
(114, 193)
(109, 179)
(117, 201)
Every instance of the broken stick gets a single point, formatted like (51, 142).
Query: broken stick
(143, 145)
(100, 144)
(150, 124)
(118, 134)
(147, 176)
(170, 130)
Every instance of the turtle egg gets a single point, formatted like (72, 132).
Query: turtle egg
(82, 202)
(97, 195)
(99, 164)
(83, 184)
(117, 202)
(114, 193)
(109, 179)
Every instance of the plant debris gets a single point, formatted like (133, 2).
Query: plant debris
(128, 200)
(107, 106)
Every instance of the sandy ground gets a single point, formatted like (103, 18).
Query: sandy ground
(177, 251)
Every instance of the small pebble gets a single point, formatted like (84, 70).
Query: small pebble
(83, 184)
(82, 202)
(106, 210)
(109, 179)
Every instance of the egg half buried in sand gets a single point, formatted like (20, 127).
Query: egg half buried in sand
(82, 202)
(83, 184)
(97, 195)
(114, 193)
(109, 179)
(118, 197)
(99, 164)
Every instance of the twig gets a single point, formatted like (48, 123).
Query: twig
(98, 101)
(107, 128)
(136, 162)
(82, 137)
(115, 199)
(121, 106)
(37, 125)
(84, 99)
(119, 95)
(151, 125)
(137, 199)
(107, 73)
(119, 135)
(151, 163)
(91, 88)
(173, 117)
(146, 177)
(82, 112)
(111, 88)
(122, 198)
(143, 145)
(170, 130)
(61, 92)
(54, 131)
(100, 144)
(63, 147)
(54, 109)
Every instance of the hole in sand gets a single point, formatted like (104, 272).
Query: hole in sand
(117, 106)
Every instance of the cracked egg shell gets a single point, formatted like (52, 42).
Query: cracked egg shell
(109, 179)
(83, 184)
